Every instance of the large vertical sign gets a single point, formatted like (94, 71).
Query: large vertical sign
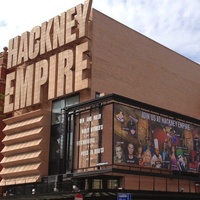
(89, 142)
(154, 140)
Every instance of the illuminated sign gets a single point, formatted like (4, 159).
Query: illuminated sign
(153, 140)
(50, 61)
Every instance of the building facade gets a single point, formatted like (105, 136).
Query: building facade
(95, 109)
(3, 61)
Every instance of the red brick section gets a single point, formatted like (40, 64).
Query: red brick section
(3, 63)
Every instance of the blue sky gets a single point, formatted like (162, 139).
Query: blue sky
(172, 23)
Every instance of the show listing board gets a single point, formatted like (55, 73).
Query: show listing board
(151, 139)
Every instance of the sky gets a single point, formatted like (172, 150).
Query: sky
(172, 23)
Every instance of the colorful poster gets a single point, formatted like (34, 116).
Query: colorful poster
(151, 139)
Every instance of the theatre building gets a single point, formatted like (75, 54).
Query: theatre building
(95, 110)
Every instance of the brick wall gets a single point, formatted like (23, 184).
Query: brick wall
(3, 62)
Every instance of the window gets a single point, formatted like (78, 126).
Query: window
(113, 184)
(61, 141)
(97, 184)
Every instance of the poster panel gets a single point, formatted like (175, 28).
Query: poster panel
(88, 144)
(151, 139)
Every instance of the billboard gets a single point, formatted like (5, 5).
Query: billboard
(149, 139)
(89, 144)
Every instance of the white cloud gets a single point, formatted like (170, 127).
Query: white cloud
(175, 24)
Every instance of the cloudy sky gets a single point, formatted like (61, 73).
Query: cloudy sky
(172, 23)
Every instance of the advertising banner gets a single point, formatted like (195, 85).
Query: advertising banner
(151, 139)
(90, 129)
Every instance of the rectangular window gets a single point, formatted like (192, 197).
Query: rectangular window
(97, 184)
(61, 143)
(113, 184)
